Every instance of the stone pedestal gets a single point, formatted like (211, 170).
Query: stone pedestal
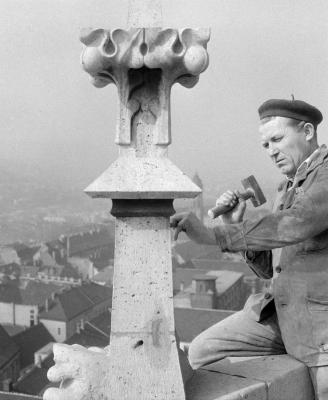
(142, 359)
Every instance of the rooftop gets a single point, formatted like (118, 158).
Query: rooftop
(75, 301)
(17, 396)
(35, 381)
(31, 340)
(26, 292)
(8, 348)
(190, 322)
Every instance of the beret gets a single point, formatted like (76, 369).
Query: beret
(296, 109)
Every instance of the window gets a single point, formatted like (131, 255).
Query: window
(59, 331)
(32, 317)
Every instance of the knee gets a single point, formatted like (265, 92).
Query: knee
(203, 350)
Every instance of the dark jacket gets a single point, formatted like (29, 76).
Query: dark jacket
(297, 234)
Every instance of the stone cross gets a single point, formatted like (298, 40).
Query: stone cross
(141, 361)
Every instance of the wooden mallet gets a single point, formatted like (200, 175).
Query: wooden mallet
(252, 191)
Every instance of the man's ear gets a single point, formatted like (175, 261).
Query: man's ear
(309, 131)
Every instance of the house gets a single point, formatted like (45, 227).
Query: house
(9, 359)
(69, 310)
(96, 244)
(30, 341)
(35, 381)
(253, 282)
(224, 290)
(183, 277)
(83, 266)
(25, 253)
(94, 333)
(8, 255)
(11, 270)
(20, 300)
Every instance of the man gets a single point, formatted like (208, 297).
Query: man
(289, 245)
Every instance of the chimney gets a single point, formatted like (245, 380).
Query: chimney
(182, 286)
(82, 323)
(46, 305)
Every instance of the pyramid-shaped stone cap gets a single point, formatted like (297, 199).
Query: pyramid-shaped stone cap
(143, 178)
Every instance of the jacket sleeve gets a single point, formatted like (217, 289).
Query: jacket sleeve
(306, 218)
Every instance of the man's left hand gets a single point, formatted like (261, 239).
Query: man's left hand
(188, 222)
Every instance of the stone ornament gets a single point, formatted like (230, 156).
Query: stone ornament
(180, 52)
(82, 373)
(121, 57)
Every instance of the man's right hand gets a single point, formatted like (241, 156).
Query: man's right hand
(188, 222)
(232, 199)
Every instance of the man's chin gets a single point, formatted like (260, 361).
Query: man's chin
(285, 170)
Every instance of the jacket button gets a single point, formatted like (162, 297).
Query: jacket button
(267, 295)
(278, 269)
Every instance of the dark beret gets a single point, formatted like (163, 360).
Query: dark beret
(296, 109)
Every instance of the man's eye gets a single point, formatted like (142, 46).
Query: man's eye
(276, 139)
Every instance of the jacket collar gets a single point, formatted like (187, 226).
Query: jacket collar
(315, 159)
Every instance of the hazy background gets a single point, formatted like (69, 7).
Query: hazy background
(56, 125)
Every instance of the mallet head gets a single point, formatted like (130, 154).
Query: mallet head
(258, 197)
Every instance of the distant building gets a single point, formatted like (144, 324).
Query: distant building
(83, 266)
(71, 309)
(94, 333)
(34, 379)
(224, 290)
(34, 382)
(105, 276)
(20, 301)
(25, 253)
(189, 251)
(9, 360)
(11, 270)
(253, 283)
(96, 244)
(8, 255)
(30, 341)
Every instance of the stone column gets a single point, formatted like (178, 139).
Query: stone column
(142, 359)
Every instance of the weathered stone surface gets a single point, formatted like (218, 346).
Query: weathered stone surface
(142, 360)
(145, 13)
(284, 377)
(207, 385)
(143, 178)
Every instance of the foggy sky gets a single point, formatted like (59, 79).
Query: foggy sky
(54, 120)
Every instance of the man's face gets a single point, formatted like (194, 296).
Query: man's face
(286, 146)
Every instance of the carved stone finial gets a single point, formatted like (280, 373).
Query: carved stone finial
(144, 64)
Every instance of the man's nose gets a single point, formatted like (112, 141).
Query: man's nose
(272, 150)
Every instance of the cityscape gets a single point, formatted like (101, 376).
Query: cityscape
(56, 280)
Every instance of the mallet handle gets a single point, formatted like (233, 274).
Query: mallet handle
(222, 209)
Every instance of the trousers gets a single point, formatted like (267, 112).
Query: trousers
(241, 336)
